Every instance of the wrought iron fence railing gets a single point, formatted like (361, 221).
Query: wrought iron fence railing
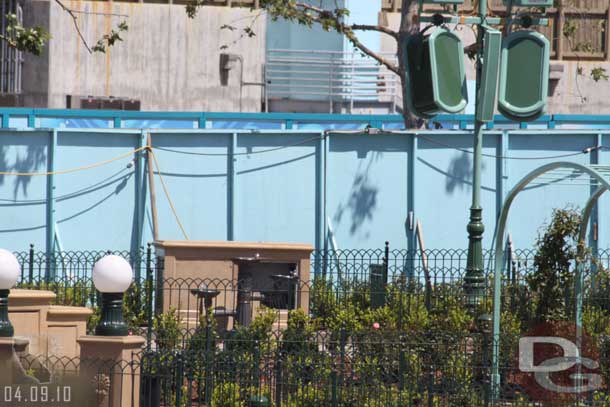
(427, 276)
(295, 369)
(372, 328)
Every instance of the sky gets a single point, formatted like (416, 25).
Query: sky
(365, 12)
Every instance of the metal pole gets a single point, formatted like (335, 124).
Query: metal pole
(231, 185)
(50, 216)
(474, 280)
(149, 296)
(140, 195)
(151, 187)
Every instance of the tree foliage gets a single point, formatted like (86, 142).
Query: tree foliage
(552, 283)
(333, 19)
(33, 39)
(28, 39)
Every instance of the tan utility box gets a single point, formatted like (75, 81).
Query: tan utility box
(219, 265)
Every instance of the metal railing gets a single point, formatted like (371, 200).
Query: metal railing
(21, 118)
(335, 77)
(389, 329)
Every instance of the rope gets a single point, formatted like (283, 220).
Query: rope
(71, 170)
(298, 143)
(165, 190)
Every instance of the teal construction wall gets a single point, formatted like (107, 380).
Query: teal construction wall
(285, 185)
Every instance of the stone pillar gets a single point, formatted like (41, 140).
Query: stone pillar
(106, 362)
(52, 330)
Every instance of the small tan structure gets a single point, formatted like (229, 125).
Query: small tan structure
(106, 362)
(50, 329)
(221, 264)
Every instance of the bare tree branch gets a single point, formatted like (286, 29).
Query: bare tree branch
(247, 31)
(381, 29)
(75, 21)
(356, 42)
(348, 31)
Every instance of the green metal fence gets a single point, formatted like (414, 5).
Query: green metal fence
(381, 327)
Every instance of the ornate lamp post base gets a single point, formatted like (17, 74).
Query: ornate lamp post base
(6, 328)
(474, 280)
(111, 321)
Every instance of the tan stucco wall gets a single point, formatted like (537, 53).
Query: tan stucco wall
(187, 263)
(50, 329)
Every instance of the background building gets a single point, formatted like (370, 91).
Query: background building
(168, 62)
(579, 40)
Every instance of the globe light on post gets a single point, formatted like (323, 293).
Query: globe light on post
(9, 273)
(112, 276)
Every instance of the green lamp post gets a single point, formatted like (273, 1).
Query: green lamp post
(9, 273)
(112, 276)
(474, 280)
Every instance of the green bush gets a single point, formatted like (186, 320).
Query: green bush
(135, 303)
(93, 319)
(227, 395)
(168, 334)
(552, 282)
(308, 396)
(299, 335)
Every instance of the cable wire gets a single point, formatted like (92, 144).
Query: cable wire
(165, 190)
(584, 151)
(88, 189)
(171, 150)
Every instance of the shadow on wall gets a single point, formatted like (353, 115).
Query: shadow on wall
(35, 158)
(362, 199)
(460, 169)
(459, 173)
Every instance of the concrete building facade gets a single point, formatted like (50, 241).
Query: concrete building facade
(166, 60)
(169, 62)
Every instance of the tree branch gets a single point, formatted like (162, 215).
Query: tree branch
(356, 42)
(11, 43)
(75, 21)
(379, 28)
(348, 31)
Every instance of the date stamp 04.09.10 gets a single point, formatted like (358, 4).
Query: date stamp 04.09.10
(36, 395)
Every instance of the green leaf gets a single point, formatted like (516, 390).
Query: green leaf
(598, 74)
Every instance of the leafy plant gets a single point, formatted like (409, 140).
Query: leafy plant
(598, 74)
(308, 396)
(300, 333)
(552, 282)
(168, 334)
(569, 28)
(28, 39)
(94, 319)
(108, 40)
(323, 301)
(227, 395)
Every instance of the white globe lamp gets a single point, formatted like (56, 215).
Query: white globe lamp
(9, 273)
(112, 276)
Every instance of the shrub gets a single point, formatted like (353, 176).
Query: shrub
(227, 395)
(552, 282)
(167, 329)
